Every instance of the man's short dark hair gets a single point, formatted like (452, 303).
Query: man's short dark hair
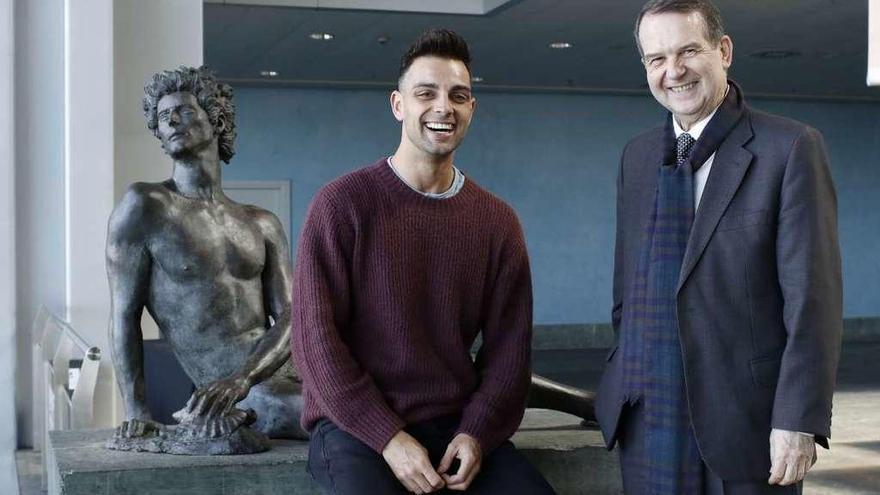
(214, 97)
(711, 16)
(442, 43)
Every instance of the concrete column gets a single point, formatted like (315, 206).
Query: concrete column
(8, 478)
(88, 164)
(39, 183)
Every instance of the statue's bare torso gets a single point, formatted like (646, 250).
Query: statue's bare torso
(206, 290)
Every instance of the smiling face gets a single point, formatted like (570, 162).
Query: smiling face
(435, 104)
(686, 72)
(183, 126)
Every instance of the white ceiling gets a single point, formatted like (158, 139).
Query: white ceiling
(510, 44)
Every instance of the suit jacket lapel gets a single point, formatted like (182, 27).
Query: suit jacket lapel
(728, 169)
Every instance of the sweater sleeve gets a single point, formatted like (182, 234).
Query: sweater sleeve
(495, 410)
(345, 393)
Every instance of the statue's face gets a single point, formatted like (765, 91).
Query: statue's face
(184, 127)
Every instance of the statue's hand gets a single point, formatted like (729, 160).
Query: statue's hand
(214, 426)
(224, 425)
(218, 398)
(139, 428)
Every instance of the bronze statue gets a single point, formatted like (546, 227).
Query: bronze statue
(214, 274)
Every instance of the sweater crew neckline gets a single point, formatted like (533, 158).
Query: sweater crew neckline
(400, 192)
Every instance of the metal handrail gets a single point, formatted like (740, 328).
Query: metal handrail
(93, 353)
(57, 404)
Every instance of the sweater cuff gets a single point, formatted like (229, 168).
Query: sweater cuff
(477, 422)
(376, 429)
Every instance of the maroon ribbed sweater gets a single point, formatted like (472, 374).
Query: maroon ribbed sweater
(390, 290)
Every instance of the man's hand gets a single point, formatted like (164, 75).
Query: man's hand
(218, 397)
(466, 449)
(410, 464)
(792, 454)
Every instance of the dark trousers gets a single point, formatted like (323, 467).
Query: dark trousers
(630, 444)
(343, 465)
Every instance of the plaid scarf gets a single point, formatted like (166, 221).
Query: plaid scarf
(653, 370)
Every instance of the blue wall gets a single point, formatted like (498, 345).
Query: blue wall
(554, 158)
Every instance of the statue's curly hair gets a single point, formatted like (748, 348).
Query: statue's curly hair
(213, 96)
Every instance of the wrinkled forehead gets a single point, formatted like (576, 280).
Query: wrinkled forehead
(178, 99)
(436, 71)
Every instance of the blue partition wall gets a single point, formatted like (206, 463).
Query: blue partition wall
(554, 158)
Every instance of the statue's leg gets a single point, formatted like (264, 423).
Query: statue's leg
(547, 394)
(278, 404)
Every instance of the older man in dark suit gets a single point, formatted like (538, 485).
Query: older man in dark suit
(727, 287)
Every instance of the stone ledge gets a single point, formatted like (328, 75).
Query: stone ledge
(79, 465)
(570, 456)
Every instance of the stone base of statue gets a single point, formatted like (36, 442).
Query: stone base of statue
(224, 435)
(571, 457)
(176, 440)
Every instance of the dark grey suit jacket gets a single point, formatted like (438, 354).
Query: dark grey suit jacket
(759, 301)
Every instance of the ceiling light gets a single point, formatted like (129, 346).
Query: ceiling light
(321, 36)
(269, 73)
(477, 79)
(560, 45)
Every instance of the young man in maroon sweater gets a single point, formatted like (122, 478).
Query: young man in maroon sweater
(400, 265)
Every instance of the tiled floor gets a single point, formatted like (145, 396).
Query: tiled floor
(851, 467)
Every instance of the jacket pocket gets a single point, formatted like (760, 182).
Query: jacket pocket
(765, 370)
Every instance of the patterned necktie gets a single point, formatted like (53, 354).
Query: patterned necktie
(683, 146)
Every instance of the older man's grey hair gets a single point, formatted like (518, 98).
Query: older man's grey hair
(711, 16)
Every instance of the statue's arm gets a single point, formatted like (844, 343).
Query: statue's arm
(128, 271)
(274, 348)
